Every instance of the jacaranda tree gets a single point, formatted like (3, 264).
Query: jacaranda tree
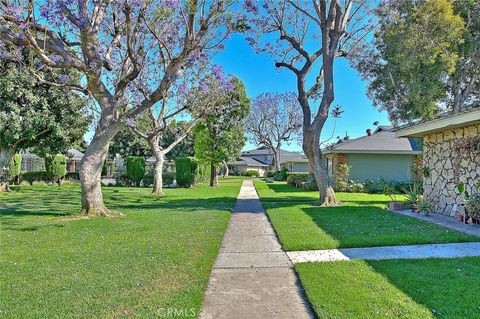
(275, 119)
(129, 52)
(308, 37)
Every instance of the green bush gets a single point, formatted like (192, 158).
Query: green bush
(202, 172)
(168, 178)
(355, 187)
(311, 184)
(56, 167)
(378, 186)
(148, 180)
(186, 171)
(296, 179)
(281, 175)
(32, 177)
(252, 173)
(341, 177)
(135, 169)
(270, 174)
(15, 168)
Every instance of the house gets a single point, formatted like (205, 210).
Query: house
(34, 163)
(245, 163)
(379, 154)
(451, 155)
(294, 162)
(261, 160)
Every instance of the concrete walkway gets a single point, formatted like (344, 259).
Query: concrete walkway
(445, 221)
(389, 252)
(252, 276)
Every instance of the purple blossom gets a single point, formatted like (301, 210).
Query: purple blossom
(63, 78)
(204, 87)
(251, 6)
(217, 71)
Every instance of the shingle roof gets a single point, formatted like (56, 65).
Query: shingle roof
(248, 161)
(381, 142)
(265, 151)
(295, 158)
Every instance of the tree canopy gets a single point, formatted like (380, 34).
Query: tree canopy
(424, 58)
(221, 136)
(33, 115)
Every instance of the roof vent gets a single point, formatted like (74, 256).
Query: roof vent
(369, 132)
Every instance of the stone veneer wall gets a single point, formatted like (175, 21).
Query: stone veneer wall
(448, 166)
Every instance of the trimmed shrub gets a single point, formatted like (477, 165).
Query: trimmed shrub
(168, 178)
(270, 174)
(252, 173)
(147, 180)
(135, 169)
(296, 179)
(32, 177)
(15, 168)
(281, 175)
(56, 167)
(186, 170)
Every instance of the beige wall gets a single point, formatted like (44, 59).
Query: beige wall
(449, 164)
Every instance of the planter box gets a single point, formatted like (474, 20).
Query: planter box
(396, 206)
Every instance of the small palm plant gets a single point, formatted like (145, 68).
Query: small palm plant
(412, 195)
(423, 206)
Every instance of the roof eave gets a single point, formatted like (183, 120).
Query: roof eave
(438, 125)
(336, 151)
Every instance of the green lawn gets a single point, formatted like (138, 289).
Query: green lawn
(361, 221)
(156, 257)
(404, 288)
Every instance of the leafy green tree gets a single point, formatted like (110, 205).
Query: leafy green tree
(425, 58)
(126, 143)
(221, 135)
(56, 167)
(46, 119)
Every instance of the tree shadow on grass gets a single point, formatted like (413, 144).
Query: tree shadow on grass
(448, 287)
(284, 188)
(370, 226)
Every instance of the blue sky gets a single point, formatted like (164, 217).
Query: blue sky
(259, 74)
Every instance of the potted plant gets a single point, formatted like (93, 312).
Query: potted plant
(472, 203)
(394, 205)
(412, 195)
(423, 206)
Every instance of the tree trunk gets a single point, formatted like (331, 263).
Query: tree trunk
(158, 170)
(276, 159)
(6, 155)
(213, 177)
(91, 171)
(318, 166)
(226, 170)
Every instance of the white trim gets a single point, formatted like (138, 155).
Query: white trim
(438, 125)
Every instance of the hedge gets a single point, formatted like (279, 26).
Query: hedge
(296, 179)
(186, 170)
(15, 168)
(31, 177)
(281, 175)
(56, 167)
(252, 173)
(135, 169)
